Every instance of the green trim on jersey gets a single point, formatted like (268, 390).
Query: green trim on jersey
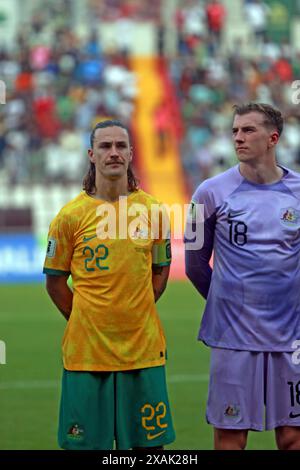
(56, 272)
(161, 264)
(161, 253)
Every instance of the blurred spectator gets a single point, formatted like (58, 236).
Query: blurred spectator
(216, 13)
(112, 10)
(160, 38)
(64, 162)
(162, 120)
(44, 113)
(257, 12)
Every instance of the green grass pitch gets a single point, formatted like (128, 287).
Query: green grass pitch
(32, 329)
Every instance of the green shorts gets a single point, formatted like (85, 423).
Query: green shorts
(128, 407)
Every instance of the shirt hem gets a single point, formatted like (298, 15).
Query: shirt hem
(88, 368)
(243, 347)
(56, 272)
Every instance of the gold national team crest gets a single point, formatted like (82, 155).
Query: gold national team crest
(232, 411)
(76, 432)
(289, 217)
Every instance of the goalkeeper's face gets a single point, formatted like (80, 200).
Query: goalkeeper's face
(111, 152)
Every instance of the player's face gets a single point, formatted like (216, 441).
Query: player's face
(111, 152)
(252, 139)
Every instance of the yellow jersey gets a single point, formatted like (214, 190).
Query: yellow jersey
(109, 249)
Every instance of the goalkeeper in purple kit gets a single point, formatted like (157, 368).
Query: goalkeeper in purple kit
(251, 320)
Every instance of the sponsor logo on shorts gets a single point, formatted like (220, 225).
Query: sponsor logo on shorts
(154, 436)
(232, 411)
(76, 432)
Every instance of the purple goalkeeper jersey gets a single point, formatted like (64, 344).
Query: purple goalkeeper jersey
(253, 291)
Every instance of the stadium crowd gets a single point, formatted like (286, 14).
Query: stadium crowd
(58, 85)
(210, 79)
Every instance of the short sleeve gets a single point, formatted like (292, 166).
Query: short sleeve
(59, 247)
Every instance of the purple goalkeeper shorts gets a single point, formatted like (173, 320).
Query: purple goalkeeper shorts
(253, 390)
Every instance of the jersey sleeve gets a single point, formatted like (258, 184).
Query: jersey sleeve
(59, 247)
(197, 258)
(161, 250)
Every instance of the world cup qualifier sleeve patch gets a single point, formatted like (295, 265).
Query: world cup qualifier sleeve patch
(51, 248)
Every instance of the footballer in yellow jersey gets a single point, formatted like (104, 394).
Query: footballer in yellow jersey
(113, 240)
(114, 324)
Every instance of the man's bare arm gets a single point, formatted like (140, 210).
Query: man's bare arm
(60, 293)
(160, 276)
